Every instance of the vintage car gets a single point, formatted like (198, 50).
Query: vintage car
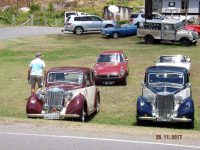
(111, 67)
(69, 92)
(174, 60)
(193, 28)
(119, 31)
(166, 96)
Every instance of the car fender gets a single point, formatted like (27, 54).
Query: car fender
(34, 105)
(143, 107)
(186, 109)
(76, 105)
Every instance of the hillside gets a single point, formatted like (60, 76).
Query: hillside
(96, 5)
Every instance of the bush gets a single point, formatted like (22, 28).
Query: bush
(122, 22)
(34, 7)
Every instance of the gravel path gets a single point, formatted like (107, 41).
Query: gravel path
(23, 31)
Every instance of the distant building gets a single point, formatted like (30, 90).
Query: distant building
(123, 14)
(191, 7)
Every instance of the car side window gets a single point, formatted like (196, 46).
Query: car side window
(88, 79)
(168, 27)
(95, 18)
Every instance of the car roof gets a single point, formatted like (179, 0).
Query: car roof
(178, 55)
(112, 52)
(69, 69)
(167, 69)
(167, 21)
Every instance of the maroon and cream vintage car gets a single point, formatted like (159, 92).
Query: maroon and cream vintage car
(111, 67)
(69, 92)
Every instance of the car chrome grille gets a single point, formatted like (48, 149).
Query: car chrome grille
(54, 97)
(165, 105)
(108, 76)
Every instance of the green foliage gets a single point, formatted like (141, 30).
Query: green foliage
(122, 21)
(50, 7)
(34, 7)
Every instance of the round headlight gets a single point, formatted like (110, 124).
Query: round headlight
(122, 72)
(45, 107)
(179, 99)
(151, 98)
(68, 95)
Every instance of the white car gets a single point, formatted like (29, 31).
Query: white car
(174, 60)
(182, 18)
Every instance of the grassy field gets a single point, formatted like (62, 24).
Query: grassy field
(118, 103)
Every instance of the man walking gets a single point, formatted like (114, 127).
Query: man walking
(36, 72)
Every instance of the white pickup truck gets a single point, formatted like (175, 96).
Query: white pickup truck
(154, 31)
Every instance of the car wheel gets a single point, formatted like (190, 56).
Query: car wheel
(98, 104)
(109, 26)
(124, 82)
(78, 30)
(115, 35)
(190, 125)
(194, 43)
(82, 117)
(149, 39)
(185, 42)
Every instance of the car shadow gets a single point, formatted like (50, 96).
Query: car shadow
(162, 125)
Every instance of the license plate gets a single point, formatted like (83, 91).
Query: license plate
(51, 116)
(109, 82)
(164, 119)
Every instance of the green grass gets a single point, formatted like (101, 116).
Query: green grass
(118, 103)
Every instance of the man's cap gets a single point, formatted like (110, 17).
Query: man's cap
(38, 54)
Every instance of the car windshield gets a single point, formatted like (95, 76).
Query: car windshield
(179, 25)
(171, 78)
(172, 59)
(113, 58)
(68, 77)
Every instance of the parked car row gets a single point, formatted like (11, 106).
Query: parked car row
(70, 92)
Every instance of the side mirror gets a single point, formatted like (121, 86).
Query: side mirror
(156, 61)
(188, 60)
(188, 84)
(142, 83)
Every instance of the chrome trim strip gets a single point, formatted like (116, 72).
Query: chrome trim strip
(173, 119)
(60, 115)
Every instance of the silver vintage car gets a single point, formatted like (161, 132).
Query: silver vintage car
(80, 24)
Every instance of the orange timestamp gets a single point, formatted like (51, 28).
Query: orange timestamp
(168, 137)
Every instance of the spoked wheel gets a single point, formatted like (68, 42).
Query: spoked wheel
(115, 35)
(78, 30)
(83, 116)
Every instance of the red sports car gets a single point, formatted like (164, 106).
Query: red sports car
(69, 92)
(111, 67)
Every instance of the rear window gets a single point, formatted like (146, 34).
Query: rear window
(68, 14)
(143, 15)
(68, 18)
(134, 15)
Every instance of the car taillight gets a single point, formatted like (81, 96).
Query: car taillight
(131, 20)
(69, 24)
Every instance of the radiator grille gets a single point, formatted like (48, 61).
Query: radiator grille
(165, 105)
(55, 97)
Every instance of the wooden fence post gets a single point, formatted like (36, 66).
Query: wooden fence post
(13, 20)
(32, 21)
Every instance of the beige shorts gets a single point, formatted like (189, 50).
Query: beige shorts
(36, 79)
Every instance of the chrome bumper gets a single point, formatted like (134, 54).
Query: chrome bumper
(155, 119)
(61, 116)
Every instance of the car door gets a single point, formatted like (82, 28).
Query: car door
(87, 21)
(90, 91)
(169, 33)
(97, 23)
